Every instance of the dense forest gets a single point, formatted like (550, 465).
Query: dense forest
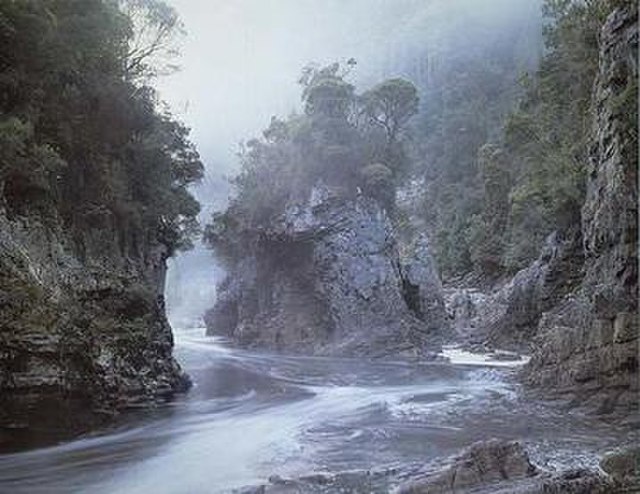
(424, 279)
(94, 198)
(82, 133)
(514, 176)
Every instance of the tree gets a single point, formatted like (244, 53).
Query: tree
(293, 155)
(82, 136)
(154, 28)
(547, 135)
(326, 93)
(390, 105)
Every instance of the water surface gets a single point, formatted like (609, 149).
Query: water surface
(253, 415)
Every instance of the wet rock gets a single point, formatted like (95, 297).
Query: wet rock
(503, 467)
(623, 466)
(482, 463)
(326, 277)
(508, 315)
(351, 482)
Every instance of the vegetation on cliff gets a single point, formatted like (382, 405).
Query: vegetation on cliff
(82, 133)
(351, 142)
(491, 200)
(94, 178)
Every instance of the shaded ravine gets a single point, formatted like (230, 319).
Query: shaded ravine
(253, 415)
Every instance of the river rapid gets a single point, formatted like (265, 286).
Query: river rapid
(251, 416)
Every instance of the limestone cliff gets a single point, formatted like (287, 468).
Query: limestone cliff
(327, 277)
(83, 331)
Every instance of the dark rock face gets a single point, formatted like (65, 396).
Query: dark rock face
(83, 331)
(327, 277)
(589, 342)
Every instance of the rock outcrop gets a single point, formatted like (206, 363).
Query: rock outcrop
(575, 307)
(327, 277)
(83, 331)
(483, 463)
(503, 467)
(486, 467)
(588, 343)
(508, 315)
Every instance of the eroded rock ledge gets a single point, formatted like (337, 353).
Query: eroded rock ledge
(486, 467)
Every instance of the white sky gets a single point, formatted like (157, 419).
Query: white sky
(241, 58)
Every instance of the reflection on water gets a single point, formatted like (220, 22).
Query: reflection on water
(252, 415)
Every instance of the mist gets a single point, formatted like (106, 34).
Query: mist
(240, 62)
(401, 240)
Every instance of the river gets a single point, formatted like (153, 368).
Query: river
(253, 415)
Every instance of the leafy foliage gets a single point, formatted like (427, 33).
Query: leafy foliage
(337, 141)
(80, 132)
(492, 206)
(547, 135)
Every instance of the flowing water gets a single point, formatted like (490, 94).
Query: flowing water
(254, 415)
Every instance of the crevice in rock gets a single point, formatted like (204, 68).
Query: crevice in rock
(411, 297)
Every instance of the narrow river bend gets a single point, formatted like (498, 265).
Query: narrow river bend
(251, 416)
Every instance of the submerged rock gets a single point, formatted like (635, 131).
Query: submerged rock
(326, 277)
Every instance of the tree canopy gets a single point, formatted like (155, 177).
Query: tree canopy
(329, 143)
(82, 132)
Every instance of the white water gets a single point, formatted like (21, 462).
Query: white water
(252, 415)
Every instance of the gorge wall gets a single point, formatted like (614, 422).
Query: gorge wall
(83, 328)
(328, 277)
(575, 308)
(589, 342)
(93, 200)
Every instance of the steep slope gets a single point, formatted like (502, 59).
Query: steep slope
(589, 342)
(327, 277)
(82, 335)
(93, 200)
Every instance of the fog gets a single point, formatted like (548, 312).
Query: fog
(241, 60)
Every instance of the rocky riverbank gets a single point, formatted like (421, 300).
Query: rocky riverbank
(84, 333)
(575, 308)
(486, 467)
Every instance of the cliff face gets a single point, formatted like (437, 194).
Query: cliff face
(589, 342)
(575, 307)
(327, 277)
(83, 331)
